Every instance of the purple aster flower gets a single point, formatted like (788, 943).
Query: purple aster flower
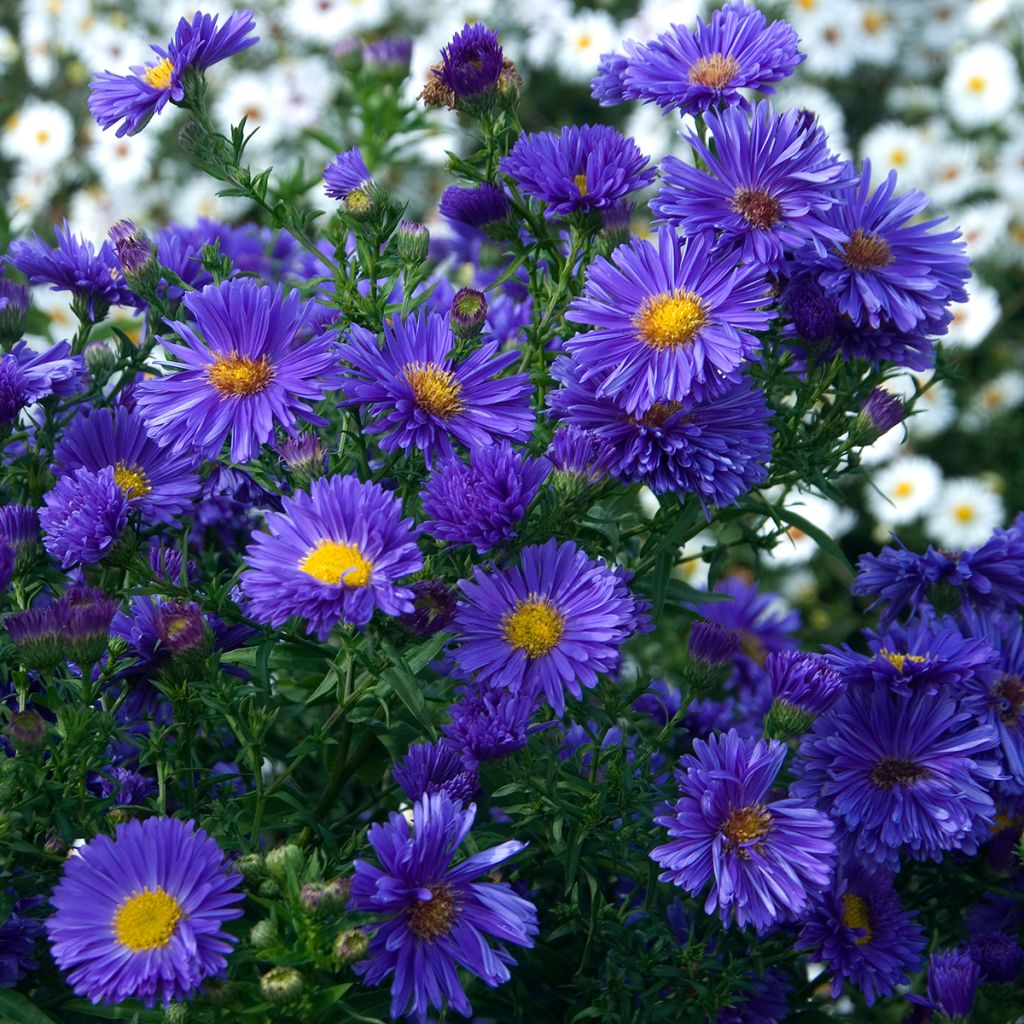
(999, 955)
(430, 768)
(861, 931)
(86, 615)
(882, 411)
(550, 624)
(669, 322)
(716, 447)
(437, 917)
(332, 554)
(92, 276)
(471, 63)
(811, 307)
(156, 630)
(391, 52)
(692, 71)
(953, 977)
(479, 207)
(761, 190)
(488, 724)
(763, 1000)
(127, 788)
(133, 248)
(346, 174)
(140, 916)
(84, 516)
(888, 268)
(765, 858)
(160, 483)
(901, 775)
(19, 525)
(608, 86)
(581, 454)
(197, 43)
(245, 367)
(433, 603)
(711, 643)
(424, 398)
(483, 503)
(18, 937)
(8, 560)
(26, 376)
(803, 680)
(586, 167)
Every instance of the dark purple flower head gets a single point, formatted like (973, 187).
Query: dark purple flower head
(471, 63)
(712, 643)
(19, 936)
(141, 916)
(765, 858)
(435, 916)
(433, 607)
(422, 397)
(581, 454)
(346, 174)
(334, 553)
(999, 955)
(14, 303)
(900, 775)
(19, 525)
(761, 191)
(715, 447)
(480, 207)
(483, 503)
(608, 86)
(882, 411)
(86, 614)
(812, 308)
(181, 627)
(37, 633)
(585, 167)
(430, 768)
(92, 276)
(469, 312)
(126, 787)
(860, 929)
(803, 680)
(392, 53)
(198, 43)
(692, 71)
(888, 268)
(27, 376)
(133, 248)
(488, 724)
(8, 560)
(953, 977)
(245, 366)
(764, 999)
(547, 625)
(668, 323)
(85, 514)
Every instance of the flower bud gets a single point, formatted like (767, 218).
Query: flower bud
(14, 305)
(314, 897)
(351, 945)
(27, 730)
(137, 256)
(338, 890)
(99, 357)
(468, 313)
(359, 205)
(283, 861)
(263, 934)
(304, 456)
(882, 411)
(37, 635)
(413, 243)
(176, 1013)
(250, 867)
(281, 985)
(86, 615)
(433, 608)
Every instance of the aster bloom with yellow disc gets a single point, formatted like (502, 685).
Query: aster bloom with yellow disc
(670, 323)
(765, 858)
(585, 167)
(332, 555)
(247, 366)
(422, 397)
(198, 43)
(437, 917)
(553, 623)
(141, 916)
(157, 482)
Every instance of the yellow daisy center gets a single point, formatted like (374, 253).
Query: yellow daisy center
(964, 513)
(132, 480)
(534, 626)
(976, 83)
(434, 389)
(867, 251)
(715, 72)
(236, 376)
(159, 75)
(332, 561)
(855, 915)
(746, 825)
(667, 321)
(430, 919)
(904, 489)
(147, 919)
(580, 181)
(898, 660)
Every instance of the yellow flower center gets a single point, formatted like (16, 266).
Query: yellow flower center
(866, 251)
(580, 181)
(434, 389)
(132, 480)
(332, 561)
(147, 919)
(855, 915)
(746, 824)
(964, 513)
(715, 72)
(976, 83)
(667, 321)
(534, 626)
(898, 660)
(159, 75)
(904, 489)
(430, 919)
(236, 376)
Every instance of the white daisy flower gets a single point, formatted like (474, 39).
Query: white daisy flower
(903, 490)
(877, 39)
(1000, 395)
(975, 318)
(28, 194)
(795, 547)
(584, 38)
(39, 134)
(895, 145)
(953, 171)
(120, 161)
(964, 514)
(982, 85)
(829, 34)
(259, 97)
(983, 225)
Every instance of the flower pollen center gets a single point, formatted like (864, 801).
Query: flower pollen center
(714, 72)
(867, 251)
(667, 321)
(236, 376)
(147, 919)
(534, 625)
(431, 919)
(756, 206)
(659, 413)
(964, 513)
(434, 389)
(332, 561)
(897, 771)
(746, 825)
(159, 75)
(1009, 691)
(132, 480)
(580, 181)
(898, 660)
(855, 915)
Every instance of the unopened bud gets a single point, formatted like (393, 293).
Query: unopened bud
(351, 945)
(413, 242)
(281, 985)
(468, 313)
(284, 860)
(263, 934)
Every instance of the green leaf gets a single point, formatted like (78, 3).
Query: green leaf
(16, 1009)
(401, 678)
